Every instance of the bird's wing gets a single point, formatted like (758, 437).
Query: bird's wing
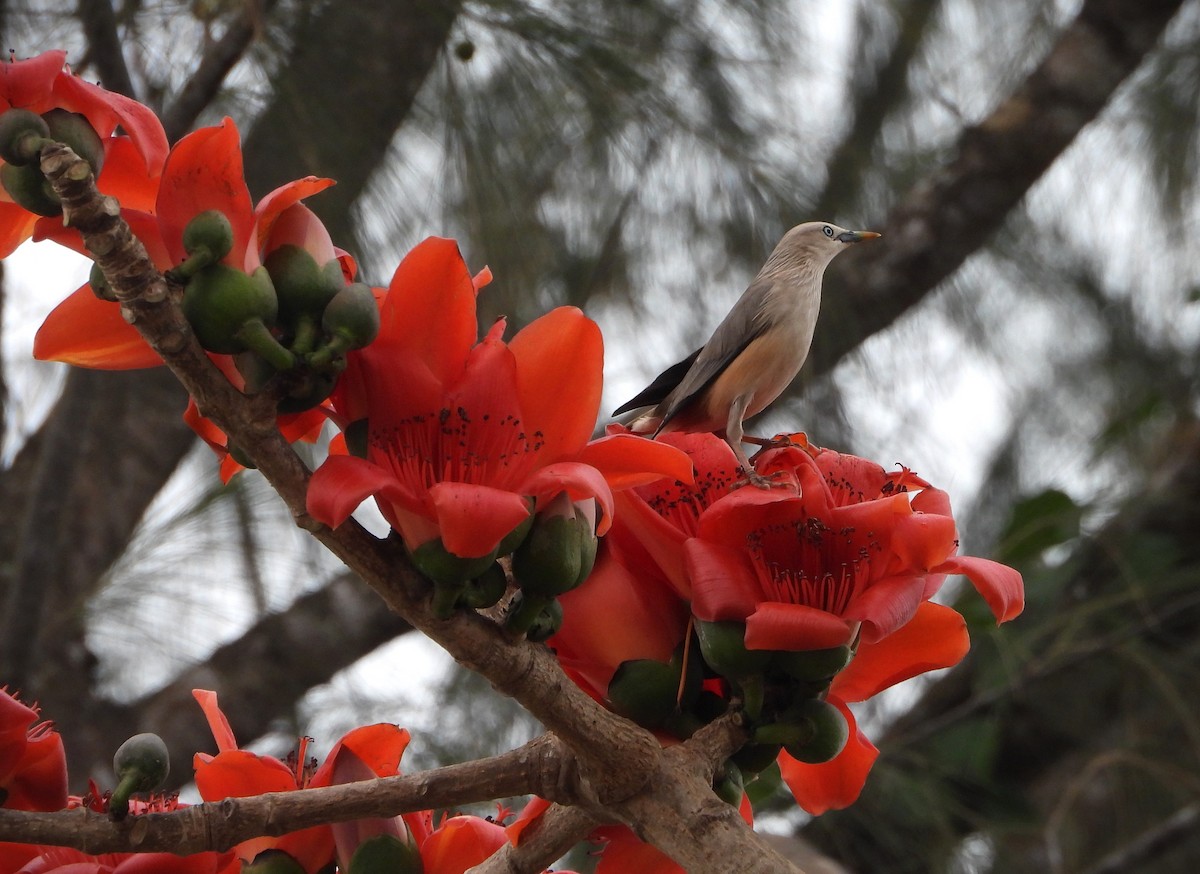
(738, 329)
(656, 392)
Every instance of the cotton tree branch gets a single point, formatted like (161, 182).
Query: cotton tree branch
(223, 824)
(616, 759)
(543, 841)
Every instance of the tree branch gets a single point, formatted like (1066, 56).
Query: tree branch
(223, 824)
(956, 209)
(616, 759)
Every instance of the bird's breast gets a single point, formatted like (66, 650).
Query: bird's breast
(764, 368)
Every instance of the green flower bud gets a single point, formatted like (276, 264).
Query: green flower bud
(211, 232)
(486, 589)
(272, 862)
(99, 284)
(813, 664)
(559, 552)
(723, 645)
(29, 189)
(22, 135)
(729, 784)
(646, 691)
(440, 565)
(827, 729)
(546, 624)
(74, 130)
(352, 316)
(223, 306)
(141, 763)
(754, 757)
(304, 290)
(385, 854)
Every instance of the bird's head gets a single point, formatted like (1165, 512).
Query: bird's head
(816, 243)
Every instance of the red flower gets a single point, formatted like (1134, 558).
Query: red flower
(132, 161)
(462, 435)
(64, 860)
(236, 773)
(33, 770)
(936, 637)
(662, 515)
(33, 766)
(623, 611)
(203, 171)
(816, 566)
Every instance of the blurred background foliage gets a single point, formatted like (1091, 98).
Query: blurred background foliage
(639, 159)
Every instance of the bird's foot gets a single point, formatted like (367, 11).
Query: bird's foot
(782, 441)
(751, 477)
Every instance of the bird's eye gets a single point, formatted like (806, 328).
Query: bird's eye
(827, 231)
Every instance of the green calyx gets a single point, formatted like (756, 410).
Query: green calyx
(74, 130)
(29, 189)
(385, 854)
(823, 731)
(230, 312)
(207, 238)
(22, 135)
(272, 862)
(559, 551)
(142, 763)
(649, 693)
(723, 645)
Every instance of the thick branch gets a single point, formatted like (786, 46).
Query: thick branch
(959, 207)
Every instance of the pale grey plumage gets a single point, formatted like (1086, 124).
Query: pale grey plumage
(756, 350)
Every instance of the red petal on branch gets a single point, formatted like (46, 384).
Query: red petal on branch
(836, 784)
(461, 842)
(628, 461)
(16, 223)
(88, 332)
(108, 109)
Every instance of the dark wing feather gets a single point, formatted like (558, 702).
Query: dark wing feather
(656, 392)
(738, 329)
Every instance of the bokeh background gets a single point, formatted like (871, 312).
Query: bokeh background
(1024, 336)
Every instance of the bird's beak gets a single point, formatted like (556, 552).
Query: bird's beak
(857, 236)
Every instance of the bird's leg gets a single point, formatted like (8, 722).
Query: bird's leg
(733, 436)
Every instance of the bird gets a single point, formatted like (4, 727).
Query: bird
(756, 350)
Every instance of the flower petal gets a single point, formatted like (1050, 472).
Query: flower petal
(836, 784)
(278, 201)
(724, 586)
(794, 627)
(628, 461)
(886, 605)
(473, 519)
(204, 171)
(560, 364)
(217, 723)
(429, 310)
(579, 481)
(461, 843)
(935, 638)
(614, 617)
(1000, 585)
(88, 332)
(343, 482)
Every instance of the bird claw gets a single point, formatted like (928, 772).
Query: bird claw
(754, 478)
